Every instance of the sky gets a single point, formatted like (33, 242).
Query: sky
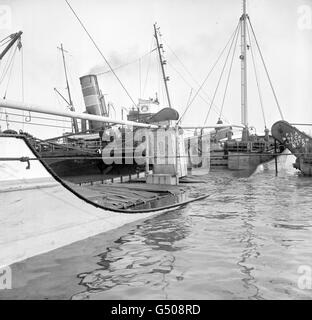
(193, 32)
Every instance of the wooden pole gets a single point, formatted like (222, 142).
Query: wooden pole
(177, 153)
(275, 151)
(162, 63)
(146, 154)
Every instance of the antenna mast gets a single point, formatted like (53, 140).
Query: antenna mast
(71, 105)
(243, 57)
(162, 63)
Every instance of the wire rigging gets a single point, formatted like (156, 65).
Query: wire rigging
(191, 76)
(126, 64)
(148, 66)
(266, 70)
(22, 80)
(8, 64)
(10, 73)
(209, 73)
(100, 52)
(221, 75)
(215, 108)
(38, 117)
(256, 76)
(229, 75)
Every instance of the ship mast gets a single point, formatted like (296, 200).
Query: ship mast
(243, 57)
(71, 105)
(162, 63)
(14, 37)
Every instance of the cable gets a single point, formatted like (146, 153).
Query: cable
(256, 76)
(37, 117)
(100, 52)
(219, 80)
(148, 67)
(36, 124)
(140, 76)
(215, 108)
(22, 79)
(9, 36)
(266, 70)
(10, 72)
(209, 73)
(125, 64)
(7, 65)
(229, 74)
(189, 98)
(190, 74)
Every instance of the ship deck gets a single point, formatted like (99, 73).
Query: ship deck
(126, 195)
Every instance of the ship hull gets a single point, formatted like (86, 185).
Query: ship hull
(304, 165)
(247, 161)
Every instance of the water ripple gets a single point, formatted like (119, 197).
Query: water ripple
(244, 242)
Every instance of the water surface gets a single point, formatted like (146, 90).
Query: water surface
(246, 241)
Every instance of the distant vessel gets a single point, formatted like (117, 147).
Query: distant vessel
(251, 149)
(79, 153)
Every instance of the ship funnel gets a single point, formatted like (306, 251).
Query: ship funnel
(93, 99)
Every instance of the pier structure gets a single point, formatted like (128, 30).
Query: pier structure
(165, 150)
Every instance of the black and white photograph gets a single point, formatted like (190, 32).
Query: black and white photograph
(155, 150)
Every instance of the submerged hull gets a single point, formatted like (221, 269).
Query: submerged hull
(247, 161)
(231, 154)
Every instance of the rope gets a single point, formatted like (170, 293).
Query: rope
(140, 77)
(100, 52)
(22, 79)
(229, 74)
(266, 70)
(219, 80)
(4, 43)
(9, 36)
(190, 96)
(37, 117)
(7, 65)
(215, 108)
(148, 67)
(209, 73)
(126, 64)
(256, 76)
(10, 72)
(36, 124)
(191, 76)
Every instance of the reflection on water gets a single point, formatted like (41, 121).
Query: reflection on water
(246, 241)
(141, 258)
(250, 248)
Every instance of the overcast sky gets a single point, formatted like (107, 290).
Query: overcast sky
(196, 31)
